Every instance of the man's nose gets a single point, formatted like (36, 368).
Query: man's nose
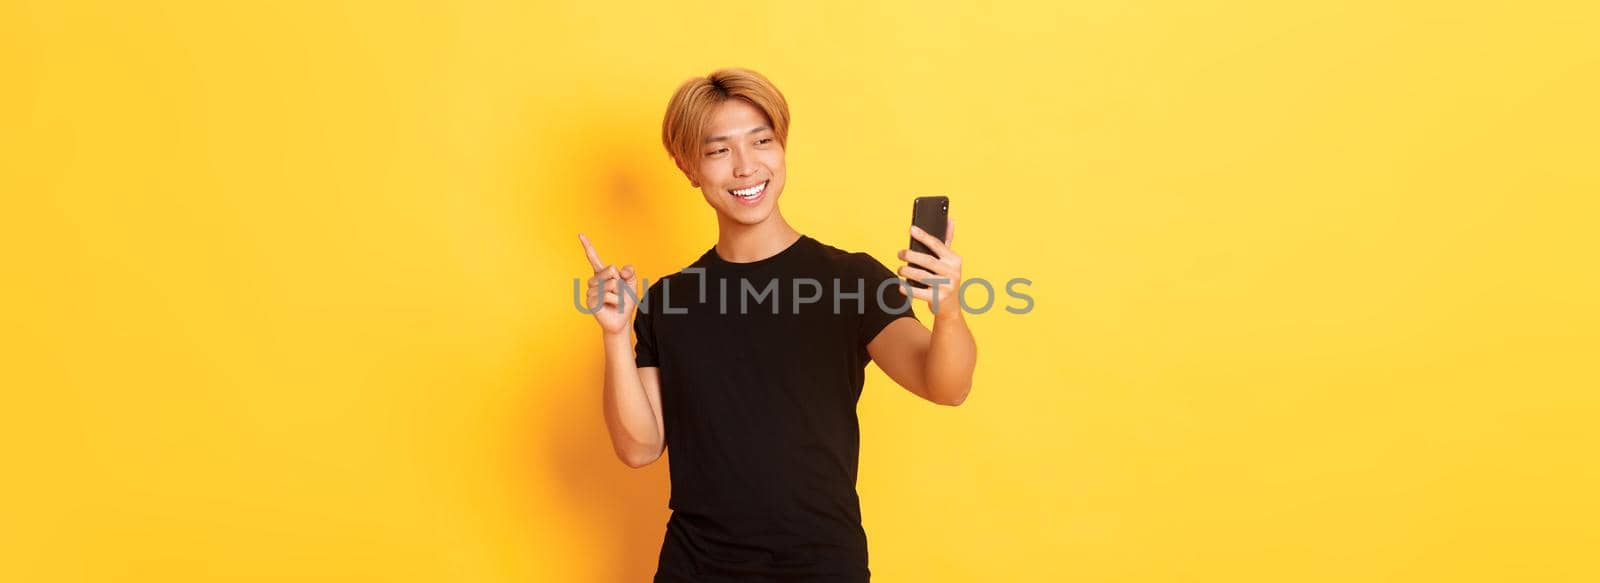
(742, 166)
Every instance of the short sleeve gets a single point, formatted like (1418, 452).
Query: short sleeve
(883, 304)
(644, 348)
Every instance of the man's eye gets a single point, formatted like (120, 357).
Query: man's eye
(763, 140)
(715, 152)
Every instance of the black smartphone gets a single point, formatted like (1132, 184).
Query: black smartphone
(930, 214)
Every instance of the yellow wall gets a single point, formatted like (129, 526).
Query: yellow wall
(287, 289)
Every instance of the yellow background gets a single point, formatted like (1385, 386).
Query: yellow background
(287, 285)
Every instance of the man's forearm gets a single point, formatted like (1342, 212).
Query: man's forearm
(952, 356)
(629, 417)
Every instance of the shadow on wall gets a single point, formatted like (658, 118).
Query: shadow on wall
(617, 515)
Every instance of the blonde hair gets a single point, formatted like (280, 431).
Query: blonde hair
(684, 127)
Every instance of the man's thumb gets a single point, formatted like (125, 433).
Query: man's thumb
(631, 277)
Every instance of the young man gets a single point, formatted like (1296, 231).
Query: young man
(749, 362)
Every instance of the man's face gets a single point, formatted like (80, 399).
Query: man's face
(740, 165)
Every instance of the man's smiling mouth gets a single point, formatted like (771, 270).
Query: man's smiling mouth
(750, 194)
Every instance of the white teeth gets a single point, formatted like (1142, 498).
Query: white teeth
(750, 192)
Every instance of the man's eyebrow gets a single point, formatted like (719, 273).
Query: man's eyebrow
(722, 138)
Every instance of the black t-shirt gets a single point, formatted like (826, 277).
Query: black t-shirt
(760, 410)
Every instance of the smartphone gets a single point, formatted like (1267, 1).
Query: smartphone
(929, 213)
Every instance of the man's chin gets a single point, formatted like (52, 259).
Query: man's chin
(749, 219)
(746, 215)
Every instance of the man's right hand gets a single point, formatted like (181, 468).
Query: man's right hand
(613, 307)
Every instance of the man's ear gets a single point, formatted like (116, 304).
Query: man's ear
(685, 170)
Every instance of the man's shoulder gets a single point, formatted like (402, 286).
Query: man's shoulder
(698, 266)
(674, 279)
(852, 261)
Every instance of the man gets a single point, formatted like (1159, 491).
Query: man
(749, 362)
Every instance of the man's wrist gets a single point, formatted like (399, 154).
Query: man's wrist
(618, 338)
(947, 311)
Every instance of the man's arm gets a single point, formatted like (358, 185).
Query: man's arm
(632, 405)
(936, 365)
(631, 397)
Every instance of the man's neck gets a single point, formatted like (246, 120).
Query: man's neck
(737, 243)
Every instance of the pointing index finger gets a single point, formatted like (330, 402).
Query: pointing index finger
(594, 257)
